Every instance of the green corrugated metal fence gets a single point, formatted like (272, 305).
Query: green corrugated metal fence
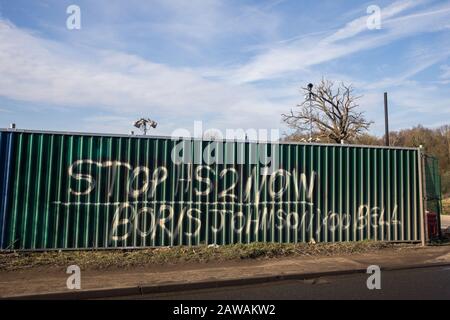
(433, 187)
(74, 191)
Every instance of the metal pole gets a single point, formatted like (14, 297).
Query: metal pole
(310, 118)
(310, 87)
(386, 119)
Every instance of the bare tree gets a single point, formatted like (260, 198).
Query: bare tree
(330, 112)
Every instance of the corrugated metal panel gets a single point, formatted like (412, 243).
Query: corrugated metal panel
(6, 147)
(433, 187)
(72, 191)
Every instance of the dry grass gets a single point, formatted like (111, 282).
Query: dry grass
(177, 255)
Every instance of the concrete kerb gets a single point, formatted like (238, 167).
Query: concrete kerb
(177, 287)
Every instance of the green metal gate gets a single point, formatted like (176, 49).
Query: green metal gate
(433, 192)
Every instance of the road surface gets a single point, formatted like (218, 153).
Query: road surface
(426, 283)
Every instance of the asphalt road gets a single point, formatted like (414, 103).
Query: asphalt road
(427, 283)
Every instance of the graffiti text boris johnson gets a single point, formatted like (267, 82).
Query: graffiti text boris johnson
(185, 203)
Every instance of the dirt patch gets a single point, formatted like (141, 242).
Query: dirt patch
(121, 259)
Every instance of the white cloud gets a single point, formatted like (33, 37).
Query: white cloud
(445, 72)
(199, 21)
(299, 55)
(359, 25)
(417, 62)
(41, 71)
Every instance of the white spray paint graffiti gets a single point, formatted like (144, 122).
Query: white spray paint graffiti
(256, 201)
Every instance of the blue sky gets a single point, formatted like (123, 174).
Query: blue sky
(228, 63)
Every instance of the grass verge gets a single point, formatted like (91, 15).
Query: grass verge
(141, 258)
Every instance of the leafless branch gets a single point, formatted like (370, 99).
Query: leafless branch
(332, 113)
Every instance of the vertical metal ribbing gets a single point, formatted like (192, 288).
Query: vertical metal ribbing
(57, 207)
(144, 187)
(223, 178)
(280, 209)
(375, 206)
(415, 197)
(115, 187)
(248, 207)
(421, 198)
(354, 195)
(360, 186)
(254, 180)
(237, 190)
(286, 197)
(48, 186)
(165, 211)
(402, 196)
(295, 193)
(75, 229)
(229, 199)
(301, 208)
(124, 195)
(36, 193)
(151, 213)
(217, 215)
(388, 195)
(311, 168)
(287, 204)
(265, 198)
(172, 172)
(341, 195)
(332, 222)
(408, 197)
(273, 204)
(133, 161)
(317, 210)
(7, 168)
(12, 241)
(108, 195)
(361, 210)
(100, 188)
(178, 193)
(87, 221)
(240, 156)
(26, 228)
(326, 193)
(302, 169)
(4, 172)
(395, 213)
(163, 160)
(283, 205)
(347, 211)
(67, 211)
(152, 156)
